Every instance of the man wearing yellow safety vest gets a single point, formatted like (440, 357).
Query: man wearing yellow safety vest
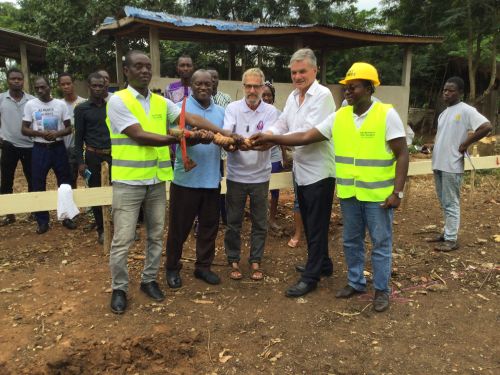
(137, 120)
(371, 160)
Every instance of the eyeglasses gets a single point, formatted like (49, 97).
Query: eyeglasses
(249, 87)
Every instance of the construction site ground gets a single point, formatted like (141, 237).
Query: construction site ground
(443, 319)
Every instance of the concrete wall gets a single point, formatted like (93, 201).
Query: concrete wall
(395, 95)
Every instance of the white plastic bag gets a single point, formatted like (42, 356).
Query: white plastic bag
(66, 207)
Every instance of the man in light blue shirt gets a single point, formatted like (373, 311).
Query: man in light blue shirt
(196, 193)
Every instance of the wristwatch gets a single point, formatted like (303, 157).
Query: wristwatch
(398, 194)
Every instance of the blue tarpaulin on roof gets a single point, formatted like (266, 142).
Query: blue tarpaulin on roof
(184, 21)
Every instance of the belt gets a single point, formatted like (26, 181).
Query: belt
(103, 151)
(49, 145)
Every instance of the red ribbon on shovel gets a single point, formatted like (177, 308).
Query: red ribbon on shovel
(186, 160)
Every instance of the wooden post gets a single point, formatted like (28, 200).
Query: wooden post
(119, 62)
(25, 67)
(322, 67)
(473, 174)
(259, 57)
(232, 62)
(406, 71)
(154, 50)
(105, 210)
(298, 43)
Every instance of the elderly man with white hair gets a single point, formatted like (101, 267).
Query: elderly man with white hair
(314, 169)
(248, 174)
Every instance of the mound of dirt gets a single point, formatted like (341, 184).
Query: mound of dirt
(153, 354)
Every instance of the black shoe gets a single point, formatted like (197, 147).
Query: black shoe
(300, 289)
(447, 246)
(152, 289)
(7, 220)
(347, 292)
(174, 280)
(207, 276)
(381, 301)
(118, 301)
(42, 228)
(68, 223)
(439, 238)
(301, 268)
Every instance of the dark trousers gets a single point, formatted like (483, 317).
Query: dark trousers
(93, 161)
(236, 198)
(47, 156)
(223, 214)
(315, 203)
(185, 204)
(11, 155)
(73, 166)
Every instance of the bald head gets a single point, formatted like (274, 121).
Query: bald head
(202, 87)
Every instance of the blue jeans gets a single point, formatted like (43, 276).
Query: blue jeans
(127, 201)
(448, 192)
(358, 216)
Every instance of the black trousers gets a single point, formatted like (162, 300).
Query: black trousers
(185, 204)
(315, 203)
(11, 155)
(93, 161)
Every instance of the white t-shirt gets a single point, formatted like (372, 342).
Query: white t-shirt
(313, 162)
(453, 125)
(121, 118)
(69, 140)
(249, 166)
(394, 127)
(46, 116)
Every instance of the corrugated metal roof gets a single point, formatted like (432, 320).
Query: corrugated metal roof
(23, 36)
(183, 21)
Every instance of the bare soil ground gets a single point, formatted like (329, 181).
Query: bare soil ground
(55, 294)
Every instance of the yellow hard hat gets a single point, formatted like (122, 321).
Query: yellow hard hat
(361, 70)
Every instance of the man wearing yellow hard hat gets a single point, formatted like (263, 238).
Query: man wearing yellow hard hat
(371, 160)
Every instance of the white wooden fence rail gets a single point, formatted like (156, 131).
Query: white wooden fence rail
(47, 200)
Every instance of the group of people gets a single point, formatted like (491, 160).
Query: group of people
(360, 150)
(40, 133)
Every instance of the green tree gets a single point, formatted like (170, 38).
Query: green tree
(9, 15)
(69, 25)
(470, 29)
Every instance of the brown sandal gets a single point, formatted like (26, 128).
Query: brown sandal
(257, 274)
(235, 273)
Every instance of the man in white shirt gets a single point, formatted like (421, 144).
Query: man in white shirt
(452, 141)
(372, 164)
(46, 120)
(71, 99)
(248, 174)
(137, 120)
(314, 169)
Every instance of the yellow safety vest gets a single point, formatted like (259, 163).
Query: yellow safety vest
(364, 167)
(132, 161)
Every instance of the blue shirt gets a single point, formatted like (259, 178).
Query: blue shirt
(206, 174)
